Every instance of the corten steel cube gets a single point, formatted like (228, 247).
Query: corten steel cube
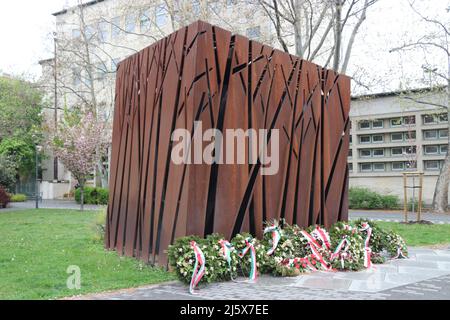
(204, 73)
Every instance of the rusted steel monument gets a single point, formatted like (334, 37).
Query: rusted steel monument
(205, 74)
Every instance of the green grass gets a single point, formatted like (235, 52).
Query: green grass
(420, 234)
(37, 246)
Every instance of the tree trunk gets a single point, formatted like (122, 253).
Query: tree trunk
(440, 198)
(82, 197)
(338, 36)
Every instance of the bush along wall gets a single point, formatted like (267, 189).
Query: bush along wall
(363, 198)
(285, 250)
(93, 195)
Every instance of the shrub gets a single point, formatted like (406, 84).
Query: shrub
(93, 195)
(416, 205)
(377, 239)
(363, 198)
(18, 198)
(355, 253)
(4, 198)
(7, 173)
(182, 259)
(263, 261)
(99, 226)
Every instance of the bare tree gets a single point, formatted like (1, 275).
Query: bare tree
(89, 43)
(437, 38)
(316, 28)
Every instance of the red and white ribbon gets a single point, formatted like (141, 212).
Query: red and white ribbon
(367, 250)
(276, 236)
(199, 267)
(315, 250)
(323, 236)
(253, 269)
(341, 251)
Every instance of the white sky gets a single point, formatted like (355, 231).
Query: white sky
(26, 25)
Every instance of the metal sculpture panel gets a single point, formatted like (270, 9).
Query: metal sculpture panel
(202, 73)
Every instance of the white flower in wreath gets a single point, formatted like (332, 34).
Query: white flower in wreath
(180, 250)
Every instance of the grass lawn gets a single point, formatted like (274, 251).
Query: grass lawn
(37, 246)
(420, 234)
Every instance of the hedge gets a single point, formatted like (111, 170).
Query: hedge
(364, 198)
(93, 195)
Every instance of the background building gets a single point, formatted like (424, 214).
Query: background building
(391, 133)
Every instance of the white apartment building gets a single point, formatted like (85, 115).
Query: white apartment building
(391, 134)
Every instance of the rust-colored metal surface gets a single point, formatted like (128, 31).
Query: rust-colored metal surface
(204, 73)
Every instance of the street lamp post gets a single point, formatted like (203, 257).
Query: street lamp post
(36, 187)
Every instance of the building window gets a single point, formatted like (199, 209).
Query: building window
(396, 151)
(76, 77)
(443, 133)
(410, 150)
(444, 149)
(196, 7)
(398, 166)
(99, 71)
(130, 23)
(432, 165)
(161, 15)
(410, 135)
(398, 136)
(379, 167)
(144, 21)
(411, 165)
(430, 134)
(396, 122)
(409, 120)
(377, 124)
(253, 33)
(431, 149)
(350, 153)
(89, 32)
(350, 167)
(443, 118)
(115, 27)
(364, 167)
(378, 152)
(364, 139)
(364, 124)
(365, 153)
(102, 31)
(76, 33)
(378, 138)
(429, 119)
(350, 137)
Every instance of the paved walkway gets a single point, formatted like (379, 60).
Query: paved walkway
(397, 216)
(394, 216)
(49, 204)
(425, 275)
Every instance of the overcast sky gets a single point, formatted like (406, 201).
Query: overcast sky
(25, 26)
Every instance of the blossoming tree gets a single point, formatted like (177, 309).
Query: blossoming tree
(79, 141)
